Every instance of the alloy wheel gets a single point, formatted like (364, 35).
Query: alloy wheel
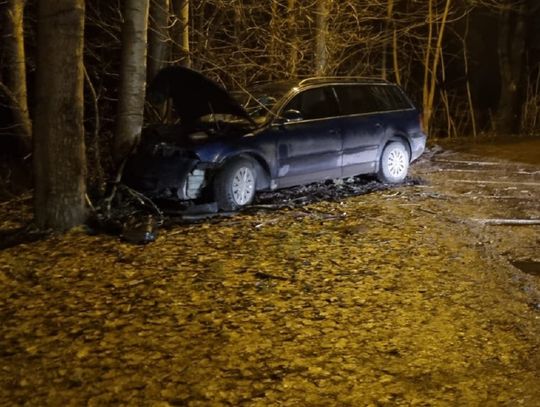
(243, 186)
(397, 163)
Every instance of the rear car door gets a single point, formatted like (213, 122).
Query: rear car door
(309, 149)
(362, 126)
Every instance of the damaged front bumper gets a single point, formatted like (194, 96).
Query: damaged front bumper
(168, 172)
(193, 185)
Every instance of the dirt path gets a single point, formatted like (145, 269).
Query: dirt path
(399, 297)
(501, 197)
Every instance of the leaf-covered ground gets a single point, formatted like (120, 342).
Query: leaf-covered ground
(398, 297)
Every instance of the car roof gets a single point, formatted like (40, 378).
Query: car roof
(330, 80)
(286, 84)
(283, 86)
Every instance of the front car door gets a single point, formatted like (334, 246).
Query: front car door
(309, 149)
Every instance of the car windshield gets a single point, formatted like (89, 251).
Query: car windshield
(260, 101)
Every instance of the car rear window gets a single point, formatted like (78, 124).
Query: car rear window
(359, 99)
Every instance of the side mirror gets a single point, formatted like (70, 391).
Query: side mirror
(289, 116)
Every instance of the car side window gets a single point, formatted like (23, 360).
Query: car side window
(356, 99)
(316, 103)
(389, 97)
(361, 99)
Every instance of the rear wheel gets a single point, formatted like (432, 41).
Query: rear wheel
(234, 185)
(394, 163)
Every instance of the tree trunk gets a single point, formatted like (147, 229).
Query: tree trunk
(386, 38)
(470, 103)
(432, 56)
(16, 81)
(395, 56)
(511, 47)
(273, 42)
(132, 78)
(181, 51)
(321, 48)
(293, 35)
(59, 156)
(158, 36)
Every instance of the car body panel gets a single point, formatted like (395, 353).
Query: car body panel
(362, 135)
(307, 151)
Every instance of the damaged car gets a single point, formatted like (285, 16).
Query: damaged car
(225, 148)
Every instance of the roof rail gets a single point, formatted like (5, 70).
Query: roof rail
(323, 79)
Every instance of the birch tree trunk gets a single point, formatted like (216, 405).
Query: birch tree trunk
(158, 37)
(132, 78)
(59, 151)
(321, 46)
(181, 50)
(386, 38)
(433, 52)
(16, 81)
(293, 35)
(273, 41)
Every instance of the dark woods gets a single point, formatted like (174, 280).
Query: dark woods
(73, 73)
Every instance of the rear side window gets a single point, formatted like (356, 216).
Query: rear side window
(355, 99)
(390, 97)
(359, 99)
(314, 103)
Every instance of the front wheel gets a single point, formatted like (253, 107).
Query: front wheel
(394, 163)
(234, 185)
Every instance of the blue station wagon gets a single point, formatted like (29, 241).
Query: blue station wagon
(227, 147)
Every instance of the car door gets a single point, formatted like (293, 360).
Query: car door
(309, 148)
(362, 127)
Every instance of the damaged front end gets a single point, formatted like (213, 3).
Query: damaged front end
(175, 161)
(160, 168)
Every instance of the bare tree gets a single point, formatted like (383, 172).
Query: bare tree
(59, 156)
(293, 35)
(470, 103)
(511, 47)
(132, 78)
(15, 89)
(437, 23)
(158, 36)
(321, 46)
(180, 32)
(274, 32)
(245, 41)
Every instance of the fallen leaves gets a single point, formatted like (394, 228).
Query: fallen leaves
(359, 302)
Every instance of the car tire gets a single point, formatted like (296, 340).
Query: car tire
(394, 164)
(234, 185)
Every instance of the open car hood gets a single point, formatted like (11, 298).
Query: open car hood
(193, 94)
